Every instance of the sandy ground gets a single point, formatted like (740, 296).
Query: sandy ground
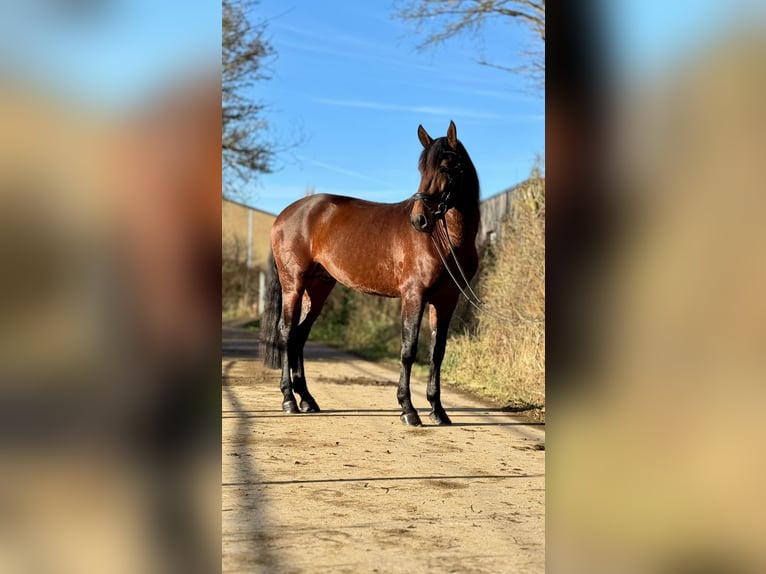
(351, 489)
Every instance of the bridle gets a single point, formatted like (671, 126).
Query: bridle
(444, 200)
(443, 203)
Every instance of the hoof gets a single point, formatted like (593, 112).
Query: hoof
(309, 407)
(411, 419)
(440, 418)
(290, 407)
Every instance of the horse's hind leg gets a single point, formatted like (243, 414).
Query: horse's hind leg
(318, 290)
(291, 313)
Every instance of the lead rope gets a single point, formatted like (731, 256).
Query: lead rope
(471, 296)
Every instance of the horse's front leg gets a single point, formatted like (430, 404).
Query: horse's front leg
(412, 313)
(439, 320)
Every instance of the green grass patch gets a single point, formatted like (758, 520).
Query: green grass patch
(366, 325)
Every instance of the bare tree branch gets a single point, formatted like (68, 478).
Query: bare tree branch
(442, 20)
(245, 50)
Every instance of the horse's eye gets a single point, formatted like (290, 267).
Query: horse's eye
(443, 169)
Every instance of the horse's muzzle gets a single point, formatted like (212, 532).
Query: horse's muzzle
(421, 223)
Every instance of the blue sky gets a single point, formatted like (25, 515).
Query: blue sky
(349, 86)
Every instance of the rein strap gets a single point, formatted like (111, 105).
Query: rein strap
(467, 291)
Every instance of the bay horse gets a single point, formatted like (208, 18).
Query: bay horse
(378, 248)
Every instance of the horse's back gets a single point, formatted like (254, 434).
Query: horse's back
(354, 240)
(326, 215)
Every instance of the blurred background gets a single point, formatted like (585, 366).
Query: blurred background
(655, 275)
(110, 182)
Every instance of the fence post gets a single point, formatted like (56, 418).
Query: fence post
(249, 238)
(261, 291)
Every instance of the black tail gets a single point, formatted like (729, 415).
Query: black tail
(269, 345)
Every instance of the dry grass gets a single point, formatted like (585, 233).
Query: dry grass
(501, 361)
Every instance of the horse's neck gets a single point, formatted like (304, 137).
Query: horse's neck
(463, 224)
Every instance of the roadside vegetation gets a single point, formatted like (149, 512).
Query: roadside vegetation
(504, 361)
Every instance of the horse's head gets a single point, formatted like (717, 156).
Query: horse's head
(441, 172)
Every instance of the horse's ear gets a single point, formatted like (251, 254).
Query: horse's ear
(452, 135)
(424, 138)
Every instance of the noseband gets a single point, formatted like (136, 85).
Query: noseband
(444, 199)
(443, 202)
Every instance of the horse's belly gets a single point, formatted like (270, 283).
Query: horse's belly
(365, 274)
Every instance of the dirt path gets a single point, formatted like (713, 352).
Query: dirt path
(353, 490)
